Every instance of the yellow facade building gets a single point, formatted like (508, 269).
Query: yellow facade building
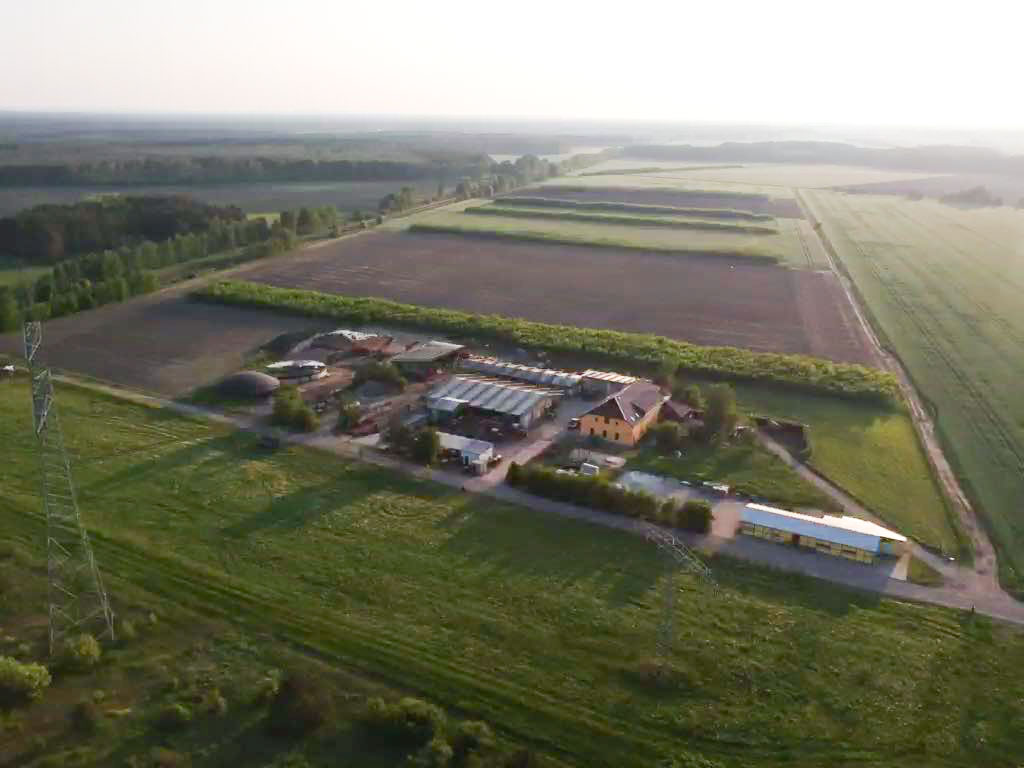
(625, 416)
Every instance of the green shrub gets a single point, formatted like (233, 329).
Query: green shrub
(407, 721)
(302, 704)
(436, 753)
(696, 516)
(86, 717)
(81, 652)
(631, 349)
(378, 371)
(472, 736)
(161, 757)
(175, 716)
(668, 436)
(291, 411)
(214, 703)
(21, 681)
(426, 447)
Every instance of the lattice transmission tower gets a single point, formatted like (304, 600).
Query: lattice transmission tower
(678, 557)
(76, 596)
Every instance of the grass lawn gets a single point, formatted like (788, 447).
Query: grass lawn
(15, 275)
(538, 625)
(746, 467)
(873, 454)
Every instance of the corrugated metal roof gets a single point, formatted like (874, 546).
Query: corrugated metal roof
(464, 444)
(427, 352)
(615, 378)
(851, 531)
(543, 376)
(492, 395)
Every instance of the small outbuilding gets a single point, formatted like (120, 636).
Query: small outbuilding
(849, 537)
(300, 370)
(248, 384)
(472, 453)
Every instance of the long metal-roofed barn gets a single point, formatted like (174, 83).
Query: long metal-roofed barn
(845, 536)
(604, 383)
(519, 404)
(542, 377)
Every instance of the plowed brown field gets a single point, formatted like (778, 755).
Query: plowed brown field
(703, 300)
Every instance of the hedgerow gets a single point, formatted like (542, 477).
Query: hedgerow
(634, 350)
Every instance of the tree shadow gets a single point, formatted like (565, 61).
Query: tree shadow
(208, 456)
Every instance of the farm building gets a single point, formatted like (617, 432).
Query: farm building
(472, 453)
(625, 416)
(518, 405)
(604, 383)
(681, 413)
(544, 377)
(298, 370)
(248, 384)
(849, 537)
(422, 359)
(342, 339)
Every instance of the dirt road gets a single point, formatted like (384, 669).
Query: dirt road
(986, 569)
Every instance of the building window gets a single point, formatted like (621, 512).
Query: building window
(591, 430)
(604, 433)
(616, 435)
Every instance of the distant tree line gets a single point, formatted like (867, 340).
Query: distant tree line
(47, 234)
(222, 170)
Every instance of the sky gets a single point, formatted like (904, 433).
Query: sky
(942, 63)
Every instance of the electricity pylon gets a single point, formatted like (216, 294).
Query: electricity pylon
(679, 557)
(75, 593)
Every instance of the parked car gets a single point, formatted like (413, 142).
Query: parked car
(573, 424)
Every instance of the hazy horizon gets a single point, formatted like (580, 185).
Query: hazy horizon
(906, 65)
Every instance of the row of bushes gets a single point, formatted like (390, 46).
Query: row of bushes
(531, 236)
(595, 217)
(631, 349)
(623, 207)
(695, 515)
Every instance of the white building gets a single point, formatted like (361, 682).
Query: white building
(472, 453)
(849, 537)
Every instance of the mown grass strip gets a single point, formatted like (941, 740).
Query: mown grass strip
(622, 219)
(560, 238)
(624, 207)
(632, 349)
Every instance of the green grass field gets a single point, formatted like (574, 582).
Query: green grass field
(943, 287)
(873, 454)
(624, 219)
(768, 248)
(15, 275)
(537, 624)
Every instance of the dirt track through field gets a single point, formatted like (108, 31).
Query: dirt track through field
(706, 301)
